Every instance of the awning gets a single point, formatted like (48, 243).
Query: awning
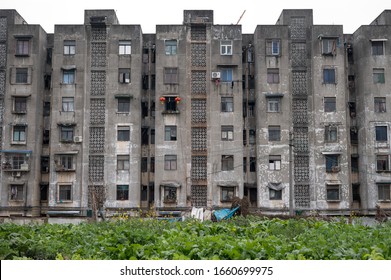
(276, 186)
(66, 124)
(332, 153)
(227, 184)
(378, 40)
(21, 95)
(173, 184)
(66, 153)
(123, 95)
(17, 151)
(68, 67)
(334, 182)
(269, 94)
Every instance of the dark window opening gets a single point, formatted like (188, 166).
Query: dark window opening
(144, 135)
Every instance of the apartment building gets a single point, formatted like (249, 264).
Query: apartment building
(292, 117)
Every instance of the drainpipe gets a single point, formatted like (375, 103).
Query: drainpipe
(291, 213)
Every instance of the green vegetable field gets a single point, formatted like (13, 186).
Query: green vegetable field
(239, 238)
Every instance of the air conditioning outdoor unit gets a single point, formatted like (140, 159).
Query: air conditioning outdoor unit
(215, 75)
(77, 139)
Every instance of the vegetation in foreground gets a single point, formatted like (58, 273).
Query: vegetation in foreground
(238, 238)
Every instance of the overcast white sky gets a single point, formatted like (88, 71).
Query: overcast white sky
(149, 13)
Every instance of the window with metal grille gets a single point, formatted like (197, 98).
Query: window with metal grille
(22, 47)
(123, 133)
(122, 192)
(170, 75)
(65, 193)
(170, 133)
(330, 104)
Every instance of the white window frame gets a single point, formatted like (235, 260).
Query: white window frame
(170, 47)
(21, 136)
(170, 162)
(226, 47)
(124, 76)
(69, 47)
(273, 104)
(227, 133)
(274, 162)
(68, 104)
(125, 47)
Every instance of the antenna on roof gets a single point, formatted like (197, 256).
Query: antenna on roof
(240, 17)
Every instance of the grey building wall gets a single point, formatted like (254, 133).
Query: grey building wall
(194, 115)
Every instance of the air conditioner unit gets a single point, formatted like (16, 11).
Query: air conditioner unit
(24, 166)
(77, 139)
(215, 75)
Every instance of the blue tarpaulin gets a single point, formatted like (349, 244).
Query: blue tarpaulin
(224, 214)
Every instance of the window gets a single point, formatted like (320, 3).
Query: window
(227, 104)
(65, 193)
(44, 193)
(144, 135)
(227, 194)
(16, 192)
(45, 164)
(122, 192)
(227, 162)
(144, 164)
(273, 75)
(273, 105)
(123, 162)
(66, 133)
(67, 104)
(251, 138)
(377, 47)
(69, 47)
(65, 163)
(332, 163)
(226, 75)
(171, 104)
(68, 76)
(329, 46)
(152, 167)
(170, 162)
(382, 163)
(124, 47)
(124, 76)
(152, 136)
(384, 191)
(330, 134)
(123, 104)
(226, 47)
(274, 133)
(330, 104)
(170, 194)
(274, 162)
(170, 133)
(170, 47)
(22, 47)
(19, 134)
(227, 133)
(273, 47)
(381, 133)
(251, 109)
(329, 76)
(275, 195)
(332, 192)
(123, 133)
(378, 76)
(380, 104)
(21, 76)
(244, 165)
(170, 75)
(20, 105)
(253, 164)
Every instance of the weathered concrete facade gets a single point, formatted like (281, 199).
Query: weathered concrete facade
(293, 117)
